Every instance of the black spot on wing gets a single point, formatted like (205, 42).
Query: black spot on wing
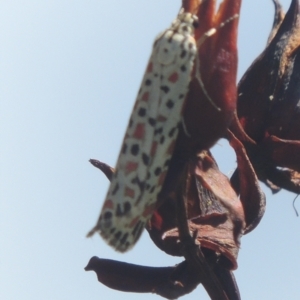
(191, 45)
(130, 123)
(183, 54)
(124, 148)
(185, 28)
(124, 238)
(152, 121)
(170, 104)
(107, 216)
(127, 207)
(116, 188)
(145, 159)
(158, 131)
(165, 88)
(118, 235)
(172, 132)
(183, 68)
(167, 162)
(140, 184)
(119, 212)
(196, 24)
(123, 209)
(137, 230)
(157, 171)
(152, 190)
(142, 112)
(135, 149)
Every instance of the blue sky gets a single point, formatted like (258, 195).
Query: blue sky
(69, 74)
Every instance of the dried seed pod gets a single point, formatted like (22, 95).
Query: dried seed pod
(268, 114)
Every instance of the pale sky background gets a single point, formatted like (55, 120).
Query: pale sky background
(69, 75)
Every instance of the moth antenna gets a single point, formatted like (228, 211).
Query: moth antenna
(198, 76)
(205, 36)
(185, 128)
(296, 211)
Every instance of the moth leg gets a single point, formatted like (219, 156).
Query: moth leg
(107, 170)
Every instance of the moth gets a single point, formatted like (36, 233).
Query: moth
(150, 136)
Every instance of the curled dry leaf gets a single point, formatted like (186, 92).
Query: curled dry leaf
(217, 217)
(268, 114)
(216, 65)
(168, 282)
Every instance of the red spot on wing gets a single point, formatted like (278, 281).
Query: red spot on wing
(129, 192)
(153, 148)
(161, 118)
(162, 177)
(148, 211)
(108, 204)
(131, 167)
(174, 77)
(145, 96)
(149, 68)
(135, 105)
(171, 148)
(133, 222)
(139, 131)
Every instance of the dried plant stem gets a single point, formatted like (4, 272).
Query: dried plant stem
(192, 252)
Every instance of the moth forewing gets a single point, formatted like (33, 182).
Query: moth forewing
(150, 135)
